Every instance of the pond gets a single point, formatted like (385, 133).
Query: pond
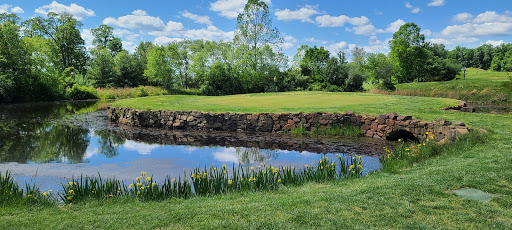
(49, 143)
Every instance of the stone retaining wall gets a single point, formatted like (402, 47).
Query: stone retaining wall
(386, 126)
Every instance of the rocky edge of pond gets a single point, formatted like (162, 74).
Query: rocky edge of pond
(385, 126)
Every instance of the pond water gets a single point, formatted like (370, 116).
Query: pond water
(49, 143)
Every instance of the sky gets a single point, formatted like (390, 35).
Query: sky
(339, 25)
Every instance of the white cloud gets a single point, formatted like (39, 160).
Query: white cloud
(77, 11)
(4, 8)
(88, 37)
(230, 8)
(314, 40)
(302, 14)
(197, 18)
(211, 33)
(141, 148)
(336, 47)
(339, 21)
(288, 42)
(122, 32)
(164, 40)
(138, 20)
(17, 10)
(414, 9)
(129, 45)
(486, 24)
(427, 33)
(463, 17)
(395, 26)
(226, 155)
(436, 3)
(494, 43)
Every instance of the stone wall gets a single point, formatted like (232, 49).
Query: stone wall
(386, 126)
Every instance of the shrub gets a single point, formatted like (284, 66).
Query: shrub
(78, 92)
(143, 92)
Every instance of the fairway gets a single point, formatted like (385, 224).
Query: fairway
(289, 102)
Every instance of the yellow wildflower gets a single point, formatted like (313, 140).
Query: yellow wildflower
(225, 172)
(252, 168)
(143, 173)
(230, 181)
(173, 180)
(261, 163)
(45, 193)
(279, 180)
(138, 192)
(241, 179)
(307, 166)
(149, 178)
(224, 166)
(359, 166)
(70, 183)
(153, 184)
(142, 188)
(71, 191)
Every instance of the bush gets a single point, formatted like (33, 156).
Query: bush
(78, 92)
(354, 82)
(143, 92)
(219, 81)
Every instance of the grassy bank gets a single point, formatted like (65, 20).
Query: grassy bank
(415, 195)
(479, 87)
(141, 91)
(290, 102)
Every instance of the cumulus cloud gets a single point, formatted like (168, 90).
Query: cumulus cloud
(436, 3)
(494, 43)
(164, 40)
(463, 17)
(414, 9)
(138, 20)
(226, 155)
(17, 10)
(88, 37)
(4, 8)
(230, 8)
(77, 11)
(314, 40)
(211, 33)
(487, 24)
(339, 21)
(141, 148)
(395, 26)
(303, 14)
(196, 18)
(288, 42)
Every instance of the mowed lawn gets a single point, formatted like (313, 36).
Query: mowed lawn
(415, 197)
(480, 86)
(290, 102)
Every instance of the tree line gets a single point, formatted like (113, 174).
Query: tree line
(44, 58)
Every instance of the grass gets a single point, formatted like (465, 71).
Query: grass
(411, 196)
(289, 102)
(345, 130)
(141, 91)
(479, 87)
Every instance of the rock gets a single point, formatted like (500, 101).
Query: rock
(467, 109)
(404, 118)
(349, 113)
(458, 123)
(393, 115)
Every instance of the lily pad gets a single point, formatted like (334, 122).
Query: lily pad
(473, 194)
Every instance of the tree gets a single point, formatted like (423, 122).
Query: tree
(104, 38)
(335, 72)
(315, 59)
(102, 68)
(64, 31)
(407, 49)
(255, 34)
(159, 68)
(14, 61)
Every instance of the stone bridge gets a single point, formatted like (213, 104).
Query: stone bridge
(386, 126)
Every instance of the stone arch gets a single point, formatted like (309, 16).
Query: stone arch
(401, 134)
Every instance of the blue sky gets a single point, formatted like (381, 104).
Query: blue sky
(336, 25)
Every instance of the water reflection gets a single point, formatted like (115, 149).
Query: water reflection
(60, 140)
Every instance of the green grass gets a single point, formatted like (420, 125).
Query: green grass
(289, 102)
(480, 87)
(414, 196)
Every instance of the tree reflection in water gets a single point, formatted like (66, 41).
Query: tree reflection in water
(252, 155)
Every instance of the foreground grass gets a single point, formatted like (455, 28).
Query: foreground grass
(413, 197)
(480, 87)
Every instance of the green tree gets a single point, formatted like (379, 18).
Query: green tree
(64, 31)
(315, 59)
(159, 69)
(256, 36)
(407, 49)
(104, 38)
(129, 70)
(102, 68)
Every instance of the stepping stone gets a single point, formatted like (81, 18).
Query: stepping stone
(473, 194)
